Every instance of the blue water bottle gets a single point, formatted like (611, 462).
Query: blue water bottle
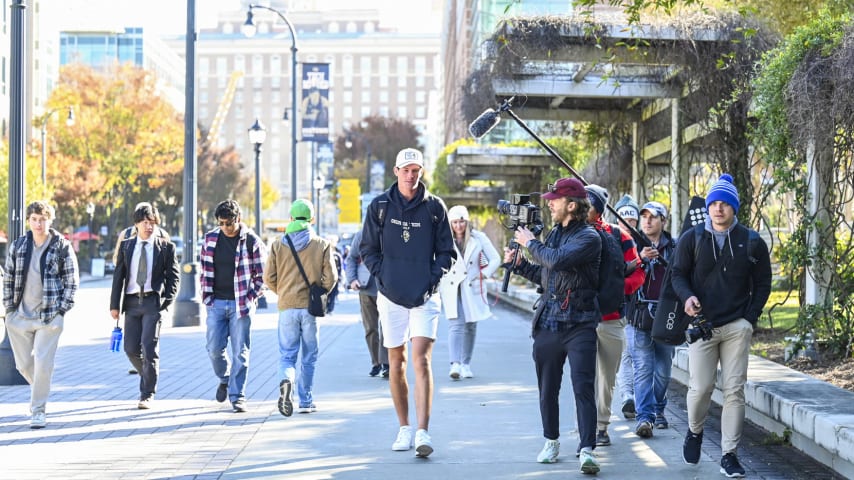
(116, 340)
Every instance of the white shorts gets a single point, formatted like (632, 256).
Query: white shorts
(400, 324)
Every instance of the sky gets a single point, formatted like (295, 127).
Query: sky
(169, 16)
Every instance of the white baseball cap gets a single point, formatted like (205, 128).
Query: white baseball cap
(409, 156)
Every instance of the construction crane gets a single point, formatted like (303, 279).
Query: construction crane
(224, 105)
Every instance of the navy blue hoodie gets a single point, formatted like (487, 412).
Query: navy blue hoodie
(410, 250)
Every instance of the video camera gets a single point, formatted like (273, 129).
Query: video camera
(700, 328)
(521, 213)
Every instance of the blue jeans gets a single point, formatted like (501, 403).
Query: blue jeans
(652, 362)
(223, 322)
(298, 330)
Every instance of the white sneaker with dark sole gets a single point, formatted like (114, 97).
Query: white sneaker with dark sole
(423, 443)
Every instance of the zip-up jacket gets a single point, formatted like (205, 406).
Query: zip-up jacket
(739, 288)
(408, 251)
(563, 265)
(59, 275)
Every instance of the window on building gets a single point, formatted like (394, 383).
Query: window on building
(347, 70)
(420, 71)
(402, 71)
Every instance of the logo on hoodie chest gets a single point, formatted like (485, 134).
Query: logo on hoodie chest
(405, 228)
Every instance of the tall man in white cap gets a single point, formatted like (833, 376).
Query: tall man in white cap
(408, 247)
(726, 277)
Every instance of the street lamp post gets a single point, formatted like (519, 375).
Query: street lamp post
(90, 209)
(249, 30)
(68, 121)
(257, 135)
(319, 183)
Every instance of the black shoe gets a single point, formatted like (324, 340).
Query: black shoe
(221, 392)
(644, 429)
(661, 421)
(132, 371)
(239, 405)
(629, 410)
(691, 448)
(375, 370)
(602, 438)
(286, 405)
(384, 371)
(730, 466)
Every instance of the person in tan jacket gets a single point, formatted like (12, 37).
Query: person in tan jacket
(296, 326)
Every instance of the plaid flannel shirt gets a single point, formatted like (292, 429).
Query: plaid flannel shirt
(60, 277)
(248, 268)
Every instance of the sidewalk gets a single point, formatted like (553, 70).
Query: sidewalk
(486, 427)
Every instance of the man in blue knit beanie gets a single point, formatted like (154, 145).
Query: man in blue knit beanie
(722, 271)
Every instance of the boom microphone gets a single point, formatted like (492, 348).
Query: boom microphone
(488, 119)
(484, 123)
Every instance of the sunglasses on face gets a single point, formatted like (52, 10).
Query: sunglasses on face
(226, 223)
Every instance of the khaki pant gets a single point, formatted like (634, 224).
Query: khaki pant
(34, 347)
(730, 345)
(611, 338)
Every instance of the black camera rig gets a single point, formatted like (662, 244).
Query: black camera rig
(521, 213)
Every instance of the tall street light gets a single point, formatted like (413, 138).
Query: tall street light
(257, 135)
(69, 121)
(249, 29)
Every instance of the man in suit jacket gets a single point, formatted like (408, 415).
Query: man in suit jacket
(144, 284)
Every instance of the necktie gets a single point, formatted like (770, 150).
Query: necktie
(142, 269)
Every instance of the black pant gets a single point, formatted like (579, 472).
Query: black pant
(142, 337)
(551, 350)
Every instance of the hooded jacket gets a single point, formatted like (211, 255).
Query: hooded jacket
(738, 288)
(283, 276)
(407, 251)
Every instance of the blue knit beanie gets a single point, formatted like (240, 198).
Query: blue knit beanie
(598, 197)
(725, 191)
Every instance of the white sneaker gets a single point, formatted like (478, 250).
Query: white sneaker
(455, 371)
(423, 445)
(588, 462)
(465, 371)
(550, 452)
(38, 420)
(404, 439)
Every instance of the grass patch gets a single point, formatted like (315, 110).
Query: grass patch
(778, 321)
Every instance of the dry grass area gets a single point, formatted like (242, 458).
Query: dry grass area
(770, 344)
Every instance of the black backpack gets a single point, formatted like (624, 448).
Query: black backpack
(612, 273)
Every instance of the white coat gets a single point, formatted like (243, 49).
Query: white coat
(464, 278)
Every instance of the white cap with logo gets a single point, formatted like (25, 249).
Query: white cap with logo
(409, 156)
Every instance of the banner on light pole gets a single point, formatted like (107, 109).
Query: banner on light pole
(314, 108)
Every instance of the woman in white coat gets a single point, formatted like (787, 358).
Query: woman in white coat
(463, 290)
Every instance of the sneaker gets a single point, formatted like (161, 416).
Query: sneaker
(145, 403)
(423, 444)
(691, 447)
(132, 371)
(661, 421)
(384, 371)
(375, 370)
(644, 429)
(222, 392)
(730, 466)
(239, 405)
(404, 439)
(550, 452)
(629, 410)
(455, 371)
(465, 371)
(38, 421)
(286, 405)
(602, 438)
(307, 408)
(588, 462)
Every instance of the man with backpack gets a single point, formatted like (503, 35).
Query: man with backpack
(566, 266)
(610, 332)
(407, 246)
(722, 271)
(651, 360)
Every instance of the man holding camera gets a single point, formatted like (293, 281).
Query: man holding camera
(565, 265)
(726, 278)
(651, 360)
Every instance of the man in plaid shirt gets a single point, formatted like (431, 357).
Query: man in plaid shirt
(232, 259)
(38, 290)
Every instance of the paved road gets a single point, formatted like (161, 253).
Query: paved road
(486, 427)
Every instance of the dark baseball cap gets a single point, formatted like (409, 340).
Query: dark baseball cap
(565, 187)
